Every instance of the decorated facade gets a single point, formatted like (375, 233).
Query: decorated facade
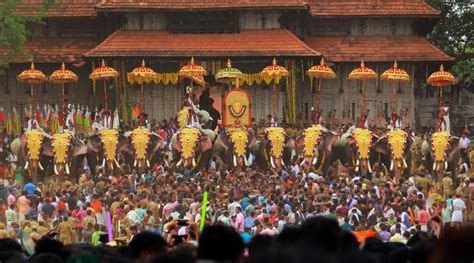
(251, 33)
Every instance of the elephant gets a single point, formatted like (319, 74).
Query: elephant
(441, 152)
(234, 146)
(275, 149)
(354, 150)
(146, 148)
(314, 147)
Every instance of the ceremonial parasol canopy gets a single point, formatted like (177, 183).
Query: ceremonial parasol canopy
(320, 71)
(141, 75)
(394, 75)
(274, 72)
(362, 73)
(440, 78)
(193, 72)
(32, 76)
(229, 74)
(63, 76)
(103, 72)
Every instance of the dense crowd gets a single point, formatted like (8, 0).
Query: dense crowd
(251, 215)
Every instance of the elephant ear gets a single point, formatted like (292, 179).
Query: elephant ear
(205, 143)
(15, 146)
(331, 138)
(223, 140)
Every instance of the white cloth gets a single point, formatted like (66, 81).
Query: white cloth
(458, 207)
(464, 142)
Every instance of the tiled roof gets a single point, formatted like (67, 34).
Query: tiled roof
(200, 4)
(53, 50)
(67, 8)
(377, 48)
(278, 42)
(371, 8)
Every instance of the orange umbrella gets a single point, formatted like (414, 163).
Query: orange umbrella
(440, 78)
(275, 72)
(142, 75)
(32, 76)
(395, 75)
(63, 76)
(362, 73)
(320, 71)
(104, 73)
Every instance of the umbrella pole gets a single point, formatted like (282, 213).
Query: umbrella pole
(318, 98)
(440, 115)
(62, 104)
(106, 105)
(274, 102)
(31, 100)
(362, 115)
(142, 98)
(394, 105)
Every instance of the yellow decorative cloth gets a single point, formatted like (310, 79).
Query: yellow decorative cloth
(60, 144)
(311, 139)
(140, 140)
(34, 140)
(276, 136)
(109, 139)
(188, 139)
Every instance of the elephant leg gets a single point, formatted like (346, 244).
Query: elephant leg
(76, 165)
(92, 162)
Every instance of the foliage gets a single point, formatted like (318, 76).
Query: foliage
(13, 27)
(454, 33)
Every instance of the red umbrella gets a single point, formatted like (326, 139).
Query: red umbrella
(362, 73)
(440, 79)
(32, 76)
(395, 75)
(275, 72)
(104, 73)
(320, 71)
(63, 76)
(142, 75)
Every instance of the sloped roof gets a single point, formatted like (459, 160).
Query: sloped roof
(67, 8)
(371, 8)
(377, 48)
(154, 43)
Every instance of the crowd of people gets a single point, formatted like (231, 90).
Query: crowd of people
(250, 215)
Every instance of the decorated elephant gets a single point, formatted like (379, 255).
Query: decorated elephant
(146, 147)
(275, 149)
(235, 145)
(354, 150)
(102, 147)
(314, 147)
(441, 152)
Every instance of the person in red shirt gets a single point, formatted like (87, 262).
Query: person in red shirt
(96, 204)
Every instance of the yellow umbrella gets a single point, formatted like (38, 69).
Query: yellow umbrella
(32, 76)
(362, 73)
(63, 76)
(320, 71)
(142, 75)
(104, 73)
(440, 78)
(395, 75)
(274, 72)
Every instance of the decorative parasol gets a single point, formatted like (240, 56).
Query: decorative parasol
(32, 76)
(395, 75)
(63, 76)
(362, 73)
(229, 74)
(142, 75)
(104, 73)
(320, 72)
(193, 72)
(274, 72)
(440, 78)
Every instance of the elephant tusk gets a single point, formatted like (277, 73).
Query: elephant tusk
(26, 165)
(56, 170)
(245, 160)
(135, 163)
(368, 166)
(434, 166)
(446, 165)
(116, 163)
(147, 163)
(271, 161)
(103, 162)
(405, 163)
(40, 166)
(282, 163)
(179, 163)
(315, 161)
(391, 165)
(234, 160)
(302, 162)
(67, 168)
(357, 166)
(194, 162)
(250, 160)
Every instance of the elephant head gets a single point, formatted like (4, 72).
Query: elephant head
(276, 137)
(397, 140)
(61, 143)
(439, 146)
(34, 141)
(239, 139)
(188, 141)
(363, 142)
(145, 144)
(109, 139)
(311, 138)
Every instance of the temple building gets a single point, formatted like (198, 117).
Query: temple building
(167, 33)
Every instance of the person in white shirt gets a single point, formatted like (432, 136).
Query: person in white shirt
(464, 142)
(457, 216)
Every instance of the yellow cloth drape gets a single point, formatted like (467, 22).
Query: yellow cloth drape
(291, 90)
(256, 78)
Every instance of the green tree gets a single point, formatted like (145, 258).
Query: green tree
(13, 27)
(454, 33)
